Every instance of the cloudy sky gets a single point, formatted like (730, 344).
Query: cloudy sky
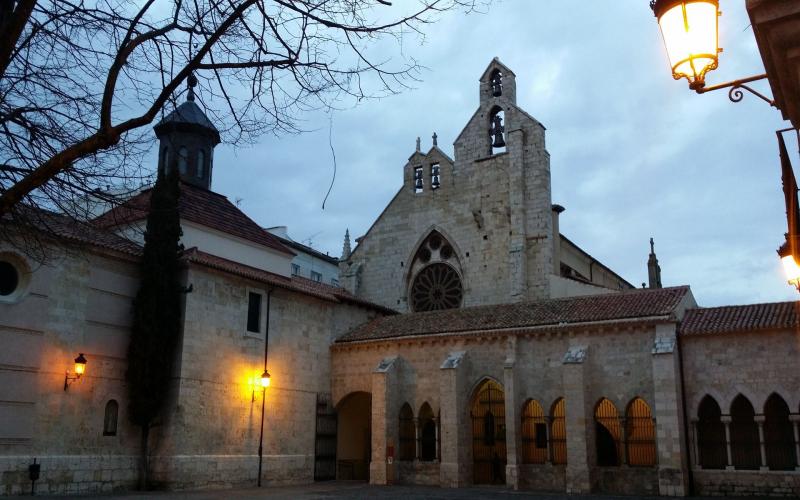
(634, 154)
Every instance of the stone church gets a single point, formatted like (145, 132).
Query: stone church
(469, 342)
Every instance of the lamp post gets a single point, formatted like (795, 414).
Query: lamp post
(265, 379)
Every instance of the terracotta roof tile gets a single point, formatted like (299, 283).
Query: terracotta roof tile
(553, 312)
(750, 317)
(202, 207)
(294, 283)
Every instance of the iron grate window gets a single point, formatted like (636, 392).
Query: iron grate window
(608, 433)
(534, 433)
(779, 435)
(254, 313)
(711, 435)
(558, 432)
(745, 446)
(406, 434)
(640, 434)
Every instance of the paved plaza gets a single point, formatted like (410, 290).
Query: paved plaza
(358, 490)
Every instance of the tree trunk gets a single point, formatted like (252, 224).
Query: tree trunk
(144, 463)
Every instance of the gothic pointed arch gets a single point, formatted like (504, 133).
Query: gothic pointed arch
(435, 275)
(488, 415)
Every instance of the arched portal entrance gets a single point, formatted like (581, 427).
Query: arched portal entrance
(354, 436)
(488, 414)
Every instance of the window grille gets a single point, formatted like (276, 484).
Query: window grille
(711, 435)
(110, 419)
(640, 434)
(489, 434)
(315, 276)
(534, 433)
(406, 451)
(779, 435)
(183, 159)
(745, 446)
(254, 312)
(608, 433)
(558, 432)
(295, 270)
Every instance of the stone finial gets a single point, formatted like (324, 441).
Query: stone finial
(419, 145)
(653, 269)
(346, 246)
(435, 139)
(191, 81)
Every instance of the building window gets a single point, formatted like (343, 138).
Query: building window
(558, 433)
(427, 434)
(295, 270)
(745, 446)
(418, 186)
(640, 434)
(334, 282)
(164, 159)
(497, 129)
(534, 433)
(9, 278)
(110, 420)
(436, 286)
(607, 433)
(201, 164)
(436, 179)
(315, 276)
(779, 435)
(183, 159)
(254, 312)
(406, 434)
(711, 435)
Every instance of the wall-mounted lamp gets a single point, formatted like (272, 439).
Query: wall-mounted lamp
(80, 369)
(265, 379)
(690, 29)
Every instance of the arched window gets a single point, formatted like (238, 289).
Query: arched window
(497, 130)
(406, 437)
(488, 414)
(201, 164)
(779, 435)
(640, 434)
(745, 447)
(110, 419)
(607, 433)
(558, 432)
(534, 433)
(711, 435)
(427, 433)
(183, 159)
(163, 162)
(497, 83)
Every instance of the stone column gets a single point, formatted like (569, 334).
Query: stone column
(455, 469)
(579, 417)
(417, 443)
(513, 436)
(795, 419)
(384, 421)
(548, 422)
(760, 422)
(667, 411)
(726, 419)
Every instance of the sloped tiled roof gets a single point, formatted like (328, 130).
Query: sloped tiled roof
(750, 317)
(293, 283)
(190, 113)
(552, 312)
(202, 207)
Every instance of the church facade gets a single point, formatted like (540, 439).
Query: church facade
(470, 342)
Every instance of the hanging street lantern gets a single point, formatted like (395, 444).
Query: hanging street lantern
(80, 369)
(265, 379)
(690, 30)
(790, 266)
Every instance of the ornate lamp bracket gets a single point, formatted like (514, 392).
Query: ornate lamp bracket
(735, 93)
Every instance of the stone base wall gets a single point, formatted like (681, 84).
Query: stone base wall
(69, 474)
(545, 477)
(625, 480)
(416, 472)
(747, 483)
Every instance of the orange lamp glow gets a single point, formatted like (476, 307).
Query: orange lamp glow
(80, 365)
(790, 266)
(690, 30)
(265, 379)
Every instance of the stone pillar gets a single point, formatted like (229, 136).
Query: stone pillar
(513, 416)
(417, 443)
(760, 422)
(668, 414)
(795, 419)
(455, 469)
(726, 419)
(384, 421)
(579, 417)
(548, 422)
(623, 436)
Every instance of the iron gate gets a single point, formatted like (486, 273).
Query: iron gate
(489, 434)
(325, 441)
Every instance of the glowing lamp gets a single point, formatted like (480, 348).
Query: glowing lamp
(790, 265)
(690, 30)
(80, 369)
(265, 379)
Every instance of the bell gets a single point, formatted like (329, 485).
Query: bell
(418, 183)
(498, 140)
(497, 132)
(435, 182)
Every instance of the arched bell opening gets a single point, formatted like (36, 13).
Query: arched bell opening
(497, 131)
(488, 415)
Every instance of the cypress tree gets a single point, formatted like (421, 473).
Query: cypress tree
(156, 314)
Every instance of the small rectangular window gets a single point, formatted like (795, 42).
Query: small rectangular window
(435, 176)
(295, 270)
(254, 313)
(418, 179)
(316, 276)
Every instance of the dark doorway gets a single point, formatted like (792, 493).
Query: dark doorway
(489, 434)
(354, 436)
(325, 440)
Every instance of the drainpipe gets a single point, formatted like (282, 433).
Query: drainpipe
(686, 436)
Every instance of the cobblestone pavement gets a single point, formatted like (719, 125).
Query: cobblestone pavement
(358, 490)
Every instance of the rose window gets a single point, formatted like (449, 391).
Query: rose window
(436, 287)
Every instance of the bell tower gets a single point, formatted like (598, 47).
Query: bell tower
(187, 141)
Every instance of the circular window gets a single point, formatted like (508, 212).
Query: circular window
(436, 287)
(9, 278)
